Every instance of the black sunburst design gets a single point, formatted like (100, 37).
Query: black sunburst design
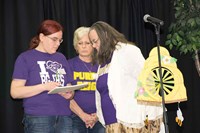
(153, 81)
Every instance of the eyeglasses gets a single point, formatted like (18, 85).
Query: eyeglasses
(55, 39)
(95, 41)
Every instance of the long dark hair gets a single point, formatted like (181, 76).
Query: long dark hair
(109, 37)
(47, 27)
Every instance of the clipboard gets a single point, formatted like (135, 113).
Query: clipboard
(67, 88)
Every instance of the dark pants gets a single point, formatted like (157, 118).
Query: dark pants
(47, 124)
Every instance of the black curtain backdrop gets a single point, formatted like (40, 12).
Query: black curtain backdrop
(19, 20)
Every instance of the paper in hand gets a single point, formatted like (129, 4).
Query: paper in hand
(67, 88)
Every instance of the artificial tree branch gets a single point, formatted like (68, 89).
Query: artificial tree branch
(197, 64)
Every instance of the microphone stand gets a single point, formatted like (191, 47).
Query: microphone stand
(157, 31)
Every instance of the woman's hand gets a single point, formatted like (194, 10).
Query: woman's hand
(87, 119)
(50, 85)
(19, 90)
(93, 120)
(67, 95)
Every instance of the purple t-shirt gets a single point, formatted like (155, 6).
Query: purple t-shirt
(84, 72)
(37, 67)
(108, 109)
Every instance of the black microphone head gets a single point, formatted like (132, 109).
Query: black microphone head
(145, 17)
(152, 20)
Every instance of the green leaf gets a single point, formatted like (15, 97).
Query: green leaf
(197, 19)
(181, 33)
(169, 36)
(136, 94)
(185, 51)
(177, 14)
(183, 23)
(194, 47)
(170, 46)
(178, 38)
(168, 42)
(172, 26)
(193, 39)
(174, 42)
(179, 44)
(178, 8)
(191, 22)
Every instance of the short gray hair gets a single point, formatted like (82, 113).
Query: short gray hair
(79, 33)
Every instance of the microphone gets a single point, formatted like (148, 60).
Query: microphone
(148, 18)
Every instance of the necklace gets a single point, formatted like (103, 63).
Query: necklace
(93, 75)
(89, 70)
(86, 62)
